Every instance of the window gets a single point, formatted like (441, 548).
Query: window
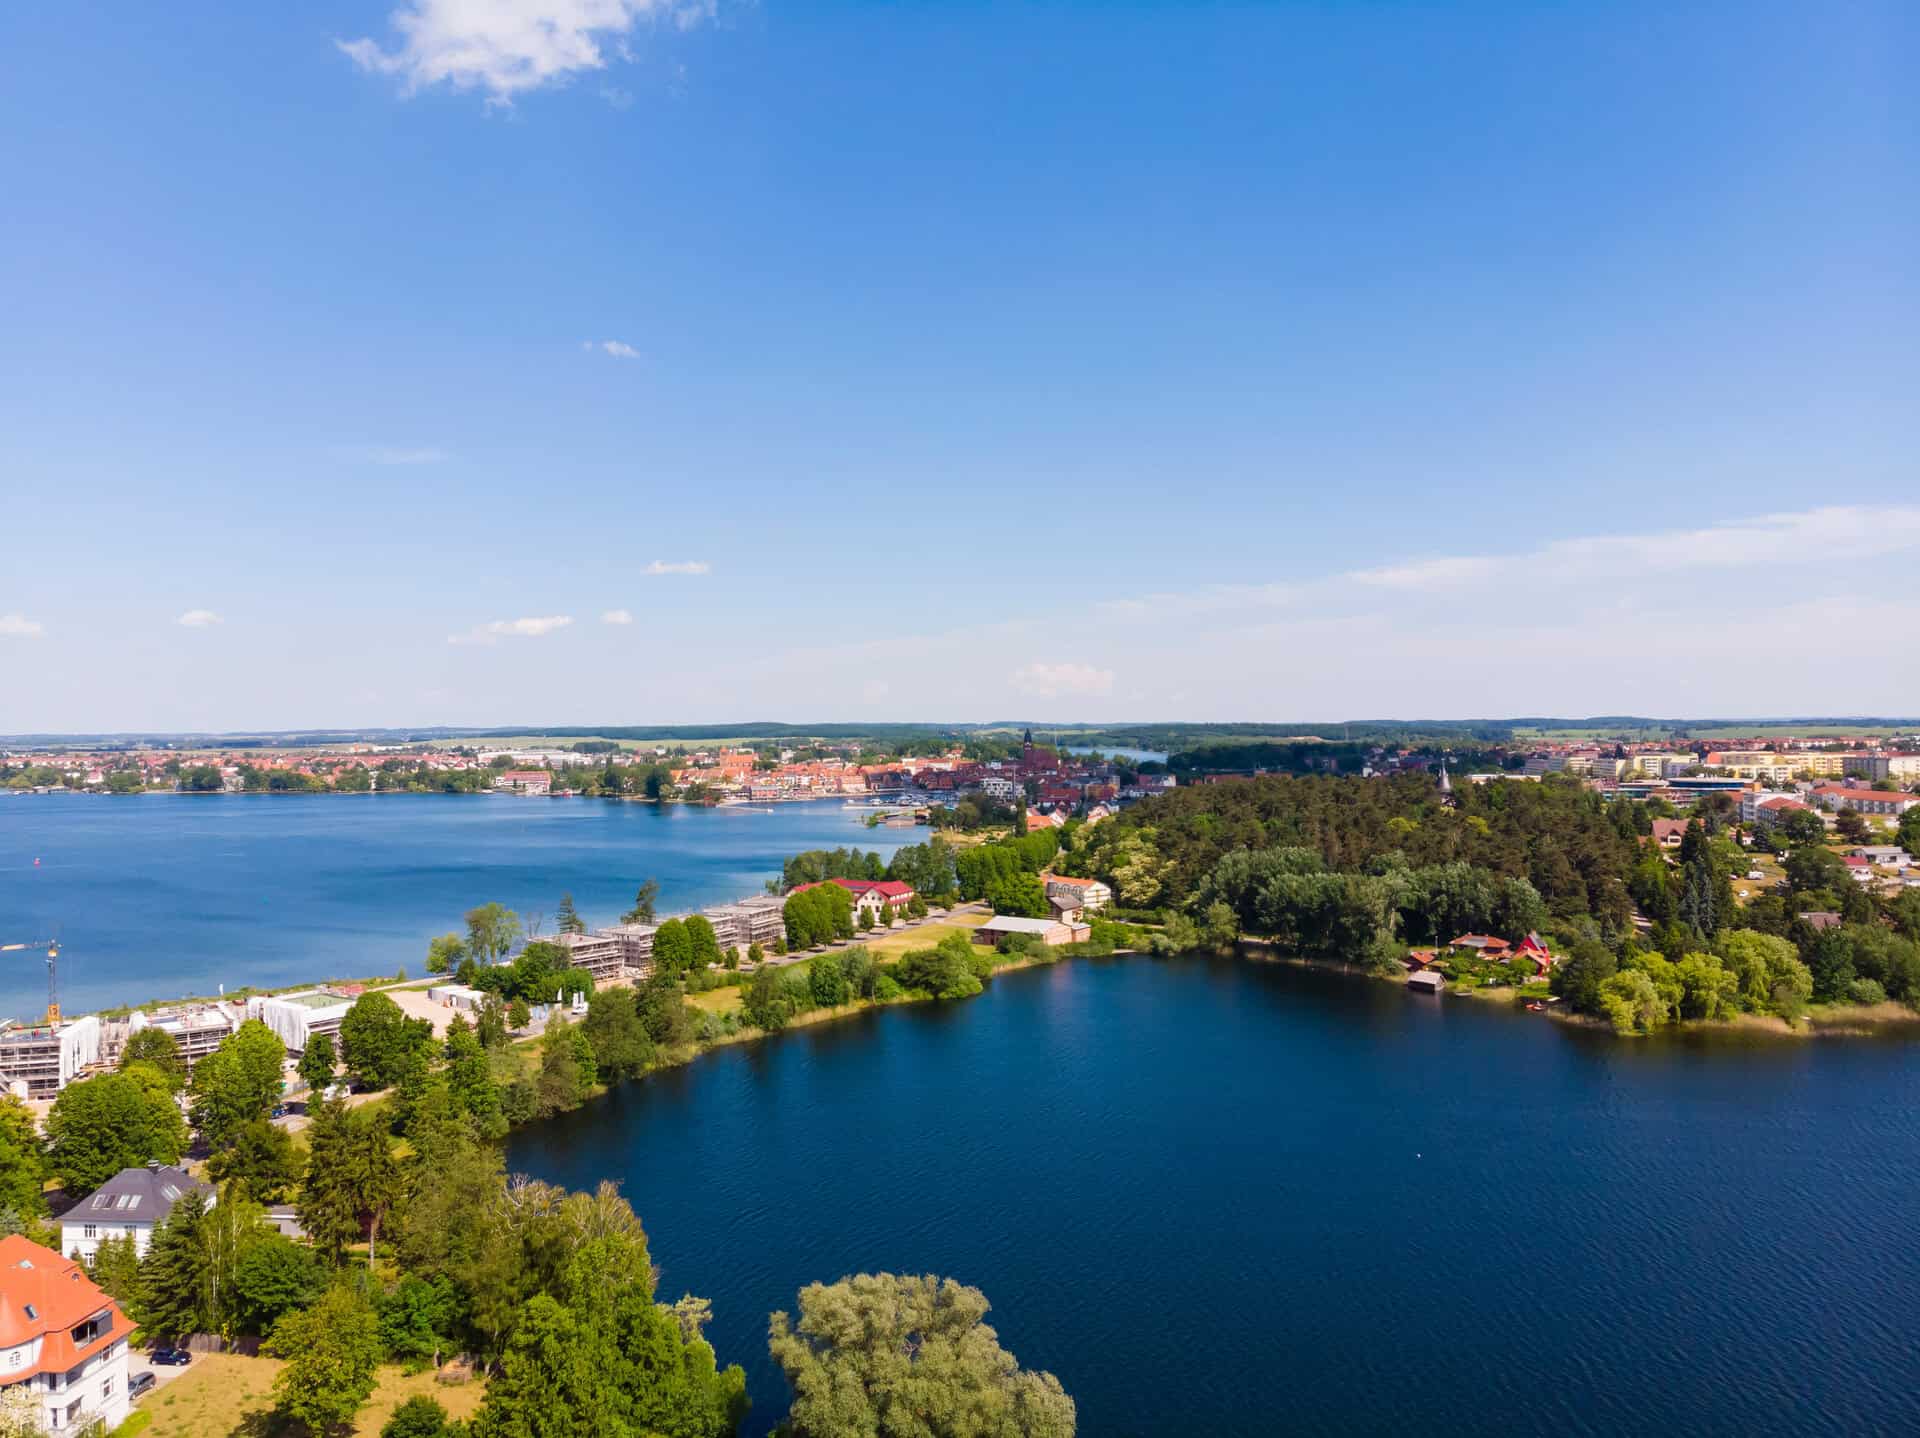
(106, 1390)
(32, 1312)
(89, 1230)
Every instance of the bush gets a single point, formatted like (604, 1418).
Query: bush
(886, 988)
(1867, 991)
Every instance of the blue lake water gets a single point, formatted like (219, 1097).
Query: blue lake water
(1225, 1198)
(154, 896)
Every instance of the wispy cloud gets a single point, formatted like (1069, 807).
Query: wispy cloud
(678, 566)
(619, 349)
(18, 626)
(530, 628)
(617, 616)
(1809, 536)
(1052, 681)
(198, 619)
(505, 48)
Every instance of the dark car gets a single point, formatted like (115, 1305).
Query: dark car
(139, 1384)
(280, 1111)
(172, 1357)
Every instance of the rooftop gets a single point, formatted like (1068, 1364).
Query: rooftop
(138, 1195)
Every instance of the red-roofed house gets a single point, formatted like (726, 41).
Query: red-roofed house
(1668, 833)
(886, 898)
(61, 1337)
(1532, 950)
(1485, 945)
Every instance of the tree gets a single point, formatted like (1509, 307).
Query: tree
(236, 1083)
(1632, 1002)
(175, 1291)
(272, 1277)
(470, 1080)
(672, 948)
(116, 1268)
(569, 921)
(445, 952)
(317, 1063)
(765, 1003)
(261, 1157)
(704, 945)
(1810, 866)
(1851, 827)
(827, 982)
(333, 1351)
(756, 955)
(113, 1121)
(622, 1048)
(560, 1085)
(352, 1180)
(518, 1015)
(156, 1047)
(1801, 826)
(419, 1417)
(877, 1353)
(648, 894)
(492, 931)
(23, 1169)
(377, 1039)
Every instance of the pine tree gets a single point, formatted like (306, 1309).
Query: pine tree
(569, 920)
(174, 1276)
(329, 1211)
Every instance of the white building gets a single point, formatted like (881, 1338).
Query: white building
(61, 1338)
(134, 1201)
(298, 1018)
(42, 1059)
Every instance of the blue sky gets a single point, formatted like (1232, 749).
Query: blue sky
(955, 361)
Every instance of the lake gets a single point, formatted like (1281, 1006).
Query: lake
(161, 895)
(1226, 1198)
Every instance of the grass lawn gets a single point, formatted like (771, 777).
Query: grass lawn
(226, 1396)
(889, 946)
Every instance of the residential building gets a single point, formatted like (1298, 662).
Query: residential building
(62, 1338)
(535, 783)
(1834, 797)
(601, 955)
(300, 1018)
(1668, 833)
(1887, 856)
(636, 945)
(1765, 810)
(135, 1201)
(885, 899)
(196, 1029)
(42, 1059)
(1092, 895)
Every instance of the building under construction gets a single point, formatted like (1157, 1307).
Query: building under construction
(38, 1060)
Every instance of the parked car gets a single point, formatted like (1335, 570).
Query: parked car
(280, 1110)
(172, 1357)
(139, 1384)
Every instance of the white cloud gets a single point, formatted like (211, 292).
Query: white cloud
(617, 616)
(619, 349)
(18, 626)
(678, 566)
(532, 628)
(1427, 573)
(1051, 681)
(508, 47)
(198, 619)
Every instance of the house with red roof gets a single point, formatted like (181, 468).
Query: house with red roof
(1863, 801)
(883, 899)
(1487, 946)
(61, 1338)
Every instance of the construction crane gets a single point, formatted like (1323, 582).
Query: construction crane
(52, 946)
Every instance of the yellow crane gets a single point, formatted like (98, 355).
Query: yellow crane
(52, 946)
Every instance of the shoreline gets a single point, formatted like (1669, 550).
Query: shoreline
(1887, 1020)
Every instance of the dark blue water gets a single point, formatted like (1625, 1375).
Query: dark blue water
(1222, 1198)
(155, 896)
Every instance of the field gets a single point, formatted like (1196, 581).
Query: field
(224, 1395)
(885, 949)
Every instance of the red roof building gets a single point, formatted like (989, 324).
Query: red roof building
(62, 1336)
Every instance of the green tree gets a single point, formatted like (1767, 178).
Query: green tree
(1850, 827)
(672, 948)
(156, 1047)
(568, 920)
(879, 1353)
(317, 1063)
(261, 1157)
(648, 894)
(377, 1040)
(622, 1048)
(518, 1015)
(1632, 1002)
(444, 952)
(827, 982)
(23, 1168)
(113, 1121)
(492, 931)
(704, 945)
(560, 1085)
(352, 1179)
(273, 1276)
(236, 1083)
(419, 1417)
(116, 1268)
(470, 1079)
(333, 1352)
(176, 1275)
